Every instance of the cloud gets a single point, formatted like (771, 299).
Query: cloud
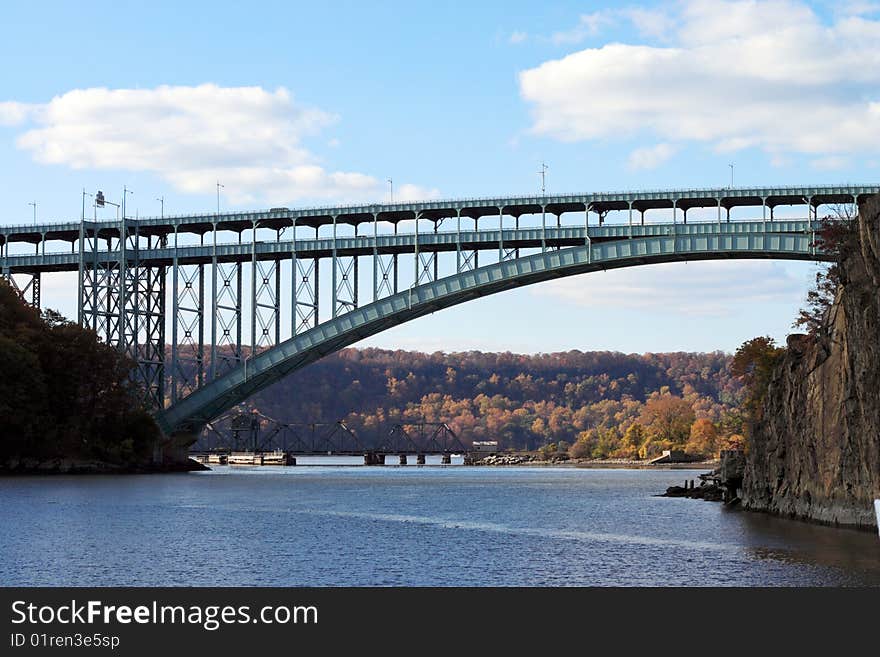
(830, 163)
(247, 137)
(655, 23)
(708, 289)
(517, 38)
(856, 8)
(650, 157)
(14, 113)
(408, 192)
(735, 74)
(589, 25)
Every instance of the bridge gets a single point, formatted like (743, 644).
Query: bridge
(257, 295)
(256, 433)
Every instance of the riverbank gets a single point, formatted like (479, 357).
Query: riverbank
(534, 460)
(67, 466)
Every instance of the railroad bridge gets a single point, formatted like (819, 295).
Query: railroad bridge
(257, 295)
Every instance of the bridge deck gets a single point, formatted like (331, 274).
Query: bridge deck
(554, 237)
(435, 210)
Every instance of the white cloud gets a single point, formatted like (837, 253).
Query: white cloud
(13, 113)
(736, 74)
(650, 157)
(655, 23)
(589, 25)
(708, 289)
(830, 163)
(409, 192)
(856, 7)
(517, 38)
(249, 137)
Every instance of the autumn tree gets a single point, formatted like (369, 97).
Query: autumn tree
(703, 439)
(633, 439)
(668, 418)
(584, 445)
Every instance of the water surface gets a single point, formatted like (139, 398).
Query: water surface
(340, 525)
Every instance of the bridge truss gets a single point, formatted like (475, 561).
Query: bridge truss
(256, 432)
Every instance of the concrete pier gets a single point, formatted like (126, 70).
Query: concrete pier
(446, 459)
(420, 459)
(402, 459)
(372, 458)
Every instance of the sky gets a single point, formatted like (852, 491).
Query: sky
(294, 104)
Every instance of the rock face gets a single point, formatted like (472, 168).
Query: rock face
(816, 453)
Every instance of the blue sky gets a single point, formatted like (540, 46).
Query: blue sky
(301, 103)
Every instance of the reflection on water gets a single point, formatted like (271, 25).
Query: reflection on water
(797, 542)
(341, 525)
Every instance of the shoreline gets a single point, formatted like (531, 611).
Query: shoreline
(29, 467)
(529, 460)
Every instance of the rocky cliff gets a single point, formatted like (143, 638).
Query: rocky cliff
(816, 453)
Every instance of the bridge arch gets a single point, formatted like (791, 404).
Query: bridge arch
(189, 414)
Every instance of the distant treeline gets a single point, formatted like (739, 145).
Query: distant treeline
(593, 404)
(64, 394)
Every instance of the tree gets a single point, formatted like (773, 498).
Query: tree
(754, 363)
(584, 445)
(836, 236)
(63, 393)
(668, 418)
(633, 439)
(703, 439)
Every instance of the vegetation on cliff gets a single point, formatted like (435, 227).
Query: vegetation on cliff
(64, 394)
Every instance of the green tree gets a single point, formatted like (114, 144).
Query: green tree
(753, 363)
(64, 393)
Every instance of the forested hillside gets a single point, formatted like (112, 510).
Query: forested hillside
(64, 394)
(600, 404)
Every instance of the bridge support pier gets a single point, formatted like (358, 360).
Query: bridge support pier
(420, 459)
(402, 459)
(372, 458)
(446, 459)
(174, 450)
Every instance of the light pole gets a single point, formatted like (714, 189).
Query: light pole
(731, 175)
(543, 173)
(219, 186)
(34, 204)
(391, 188)
(161, 200)
(125, 192)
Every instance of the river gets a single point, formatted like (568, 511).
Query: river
(454, 525)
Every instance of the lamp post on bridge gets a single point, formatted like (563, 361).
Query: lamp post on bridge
(161, 200)
(34, 204)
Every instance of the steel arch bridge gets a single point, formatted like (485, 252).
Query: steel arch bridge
(129, 270)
